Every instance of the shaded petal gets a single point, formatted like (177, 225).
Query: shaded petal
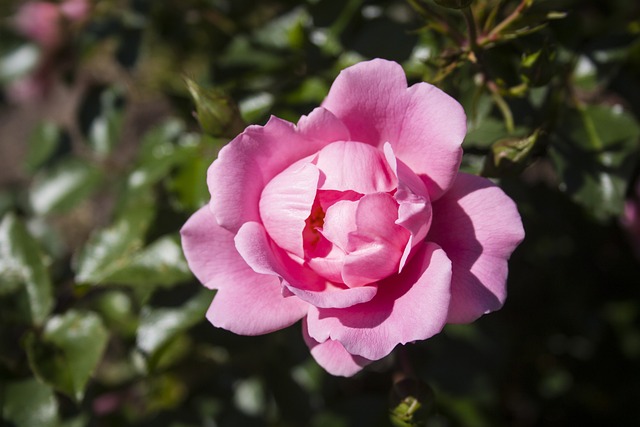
(424, 125)
(245, 165)
(375, 248)
(414, 212)
(286, 203)
(212, 256)
(478, 226)
(332, 356)
(254, 246)
(408, 307)
(353, 166)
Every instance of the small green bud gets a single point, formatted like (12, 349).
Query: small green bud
(454, 4)
(509, 155)
(217, 114)
(410, 403)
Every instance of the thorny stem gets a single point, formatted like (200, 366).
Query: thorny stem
(445, 23)
(491, 85)
(493, 34)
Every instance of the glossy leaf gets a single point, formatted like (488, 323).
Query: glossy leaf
(22, 264)
(159, 326)
(160, 263)
(68, 351)
(43, 142)
(29, 403)
(112, 249)
(593, 153)
(105, 128)
(64, 186)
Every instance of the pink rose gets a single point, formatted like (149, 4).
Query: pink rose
(40, 22)
(630, 219)
(355, 220)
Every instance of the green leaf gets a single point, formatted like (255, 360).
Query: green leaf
(509, 155)
(595, 153)
(112, 248)
(64, 186)
(19, 62)
(22, 264)
(189, 182)
(68, 351)
(29, 403)
(486, 133)
(42, 144)
(104, 130)
(158, 327)
(161, 263)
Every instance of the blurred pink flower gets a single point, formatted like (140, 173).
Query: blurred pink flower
(355, 220)
(40, 22)
(47, 24)
(630, 219)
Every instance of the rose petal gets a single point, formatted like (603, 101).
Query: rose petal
(414, 212)
(332, 356)
(408, 307)
(212, 257)
(353, 166)
(478, 226)
(375, 248)
(263, 307)
(424, 125)
(245, 165)
(286, 203)
(253, 245)
(210, 250)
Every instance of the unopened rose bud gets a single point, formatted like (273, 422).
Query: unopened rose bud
(217, 114)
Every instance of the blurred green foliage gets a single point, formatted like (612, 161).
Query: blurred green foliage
(101, 322)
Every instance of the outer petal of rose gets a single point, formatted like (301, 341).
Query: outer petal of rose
(253, 304)
(410, 306)
(212, 257)
(332, 356)
(210, 250)
(424, 125)
(286, 203)
(255, 248)
(478, 226)
(354, 166)
(245, 165)
(376, 246)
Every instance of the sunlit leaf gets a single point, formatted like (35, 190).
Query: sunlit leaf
(68, 351)
(64, 186)
(112, 249)
(22, 264)
(29, 403)
(160, 263)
